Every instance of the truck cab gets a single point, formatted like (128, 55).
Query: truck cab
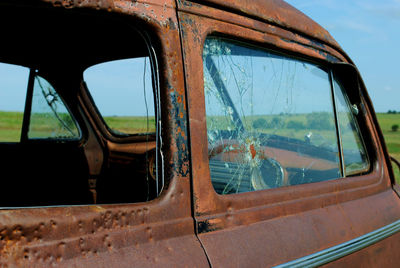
(162, 133)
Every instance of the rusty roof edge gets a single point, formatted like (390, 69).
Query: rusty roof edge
(276, 12)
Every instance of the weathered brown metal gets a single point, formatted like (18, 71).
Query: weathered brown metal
(265, 228)
(275, 12)
(158, 233)
(189, 224)
(257, 13)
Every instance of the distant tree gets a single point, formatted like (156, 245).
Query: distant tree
(395, 128)
(260, 123)
(295, 125)
(276, 122)
(319, 120)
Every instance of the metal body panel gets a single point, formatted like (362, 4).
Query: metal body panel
(190, 225)
(151, 234)
(351, 246)
(269, 227)
(373, 256)
(278, 36)
(100, 236)
(275, 12)
(277, 240)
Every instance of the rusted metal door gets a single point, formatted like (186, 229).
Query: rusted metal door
(158, 233)
(308, 224)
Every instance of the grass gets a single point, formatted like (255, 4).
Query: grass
(392, 139)
(44, 125)
(10, 126)
(131, 124)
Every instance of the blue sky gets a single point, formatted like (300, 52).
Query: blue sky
(369, 32)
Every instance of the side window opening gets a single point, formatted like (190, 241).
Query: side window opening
(123, 92)
(33, 113)
(48, 154)
(49, 118)
(271, 121)
(129, 174)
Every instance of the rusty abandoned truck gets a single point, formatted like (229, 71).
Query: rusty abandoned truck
(163, 133)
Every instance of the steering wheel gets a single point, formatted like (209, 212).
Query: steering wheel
(245, 164)
(269, 175)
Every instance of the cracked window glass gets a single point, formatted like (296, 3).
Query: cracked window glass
(354, 153)
(50, 119)
(270, 119)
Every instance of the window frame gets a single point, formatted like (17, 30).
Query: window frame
(329, 68)
(28, 112)
(90, 118)
(152, 43)
(286, 212)
(356, 120)
(115, 133)
(90, 104)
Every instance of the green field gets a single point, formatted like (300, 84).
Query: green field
(11, 122)
(392, 139)
(10, 126)
(46, 125)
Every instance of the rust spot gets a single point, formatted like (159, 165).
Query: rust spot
(253, 151)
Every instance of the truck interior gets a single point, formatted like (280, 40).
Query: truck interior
(65, 152)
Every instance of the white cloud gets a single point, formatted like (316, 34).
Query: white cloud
(388, 8)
